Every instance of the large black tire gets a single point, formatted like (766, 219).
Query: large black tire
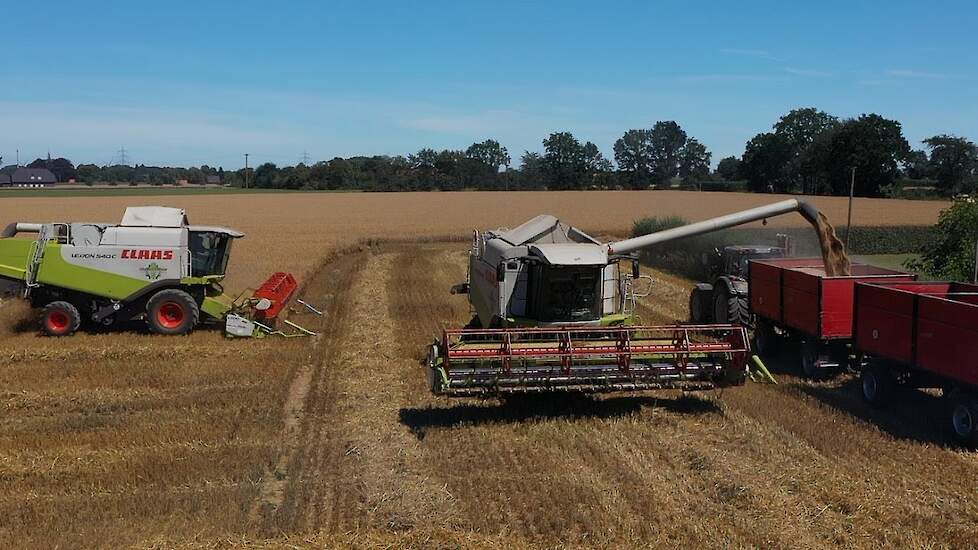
(767, 342)
(60, 319)
(811, 355)
(698, 311)
(172, 312)
(877, 384)
(729, 308)
(964, 419)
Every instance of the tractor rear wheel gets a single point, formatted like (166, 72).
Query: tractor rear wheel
(60, 319)
(729, 308)
(964, 419)
(698, 311)
(172, 312)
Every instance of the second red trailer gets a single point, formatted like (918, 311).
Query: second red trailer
(794, 298)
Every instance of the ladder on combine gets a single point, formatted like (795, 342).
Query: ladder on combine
(488, 362)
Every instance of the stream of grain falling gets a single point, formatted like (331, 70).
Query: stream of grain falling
(833, 251)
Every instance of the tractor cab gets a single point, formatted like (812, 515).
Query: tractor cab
(210, 248)
(733, 260)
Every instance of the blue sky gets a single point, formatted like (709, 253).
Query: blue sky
(185, 83)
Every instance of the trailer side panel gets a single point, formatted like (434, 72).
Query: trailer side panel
(884, 323)
(765, 290)
(947, 338)
(801, 300)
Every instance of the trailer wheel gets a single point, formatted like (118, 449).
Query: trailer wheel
(729, 308)
(60, 319)
(811, 356)
(877, 385)
(172, 312)
(767, 342)
(964, 419)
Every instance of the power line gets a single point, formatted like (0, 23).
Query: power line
(305, 158)
(122, 156)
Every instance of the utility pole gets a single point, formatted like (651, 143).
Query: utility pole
(122, 156)
(305, 158)
(18, 158)
(852, 190)
(246, 170)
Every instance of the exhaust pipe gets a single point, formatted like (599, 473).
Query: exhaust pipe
(808, 211)
(20, 227)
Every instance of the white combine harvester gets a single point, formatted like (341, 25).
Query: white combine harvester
(154, 265)
(555, 311)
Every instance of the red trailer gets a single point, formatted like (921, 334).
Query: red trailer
(922, 335)
(793, 298)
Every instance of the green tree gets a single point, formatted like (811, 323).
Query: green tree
(531, 170)
(765, 163)
(633, 153)
(953, 161)
(668, 140)
(800, 127)
(952, 256)
(265, 176)
(729, 168)
(917, 165)
(694, 161)
(563, 161)
(490, 153)
(874, 145)
(338, 174)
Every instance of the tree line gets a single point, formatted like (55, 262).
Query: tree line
(806, 151)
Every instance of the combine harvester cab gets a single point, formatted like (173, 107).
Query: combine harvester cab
(153, 265)
(555, 311)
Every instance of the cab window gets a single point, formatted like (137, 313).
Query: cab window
(208, 253)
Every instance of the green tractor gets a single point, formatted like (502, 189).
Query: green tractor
(153, 266)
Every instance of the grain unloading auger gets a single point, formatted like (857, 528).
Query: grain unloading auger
(153, 265)
(555, 311)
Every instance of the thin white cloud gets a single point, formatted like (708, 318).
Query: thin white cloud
(747, 52)
(807, 72)
(905, 73)
(879, 82)
(726, 77)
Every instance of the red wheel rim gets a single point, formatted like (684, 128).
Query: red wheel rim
(170, 315)
(58, 321)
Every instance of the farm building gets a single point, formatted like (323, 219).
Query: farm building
(213, 180)
(33, 177)
(4, 180)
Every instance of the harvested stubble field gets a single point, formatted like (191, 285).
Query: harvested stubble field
(130, 439)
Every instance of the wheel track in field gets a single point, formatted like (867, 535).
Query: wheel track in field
(298, 493)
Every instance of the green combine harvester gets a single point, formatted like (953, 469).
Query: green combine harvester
(153, 266)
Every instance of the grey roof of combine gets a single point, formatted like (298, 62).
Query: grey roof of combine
(233, 233)
(544, 229)
(154, 216)
(33, 175)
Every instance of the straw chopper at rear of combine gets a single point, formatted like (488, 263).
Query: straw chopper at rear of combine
(555, 311)
(153, 265)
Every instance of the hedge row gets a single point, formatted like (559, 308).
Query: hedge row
(689, 256)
